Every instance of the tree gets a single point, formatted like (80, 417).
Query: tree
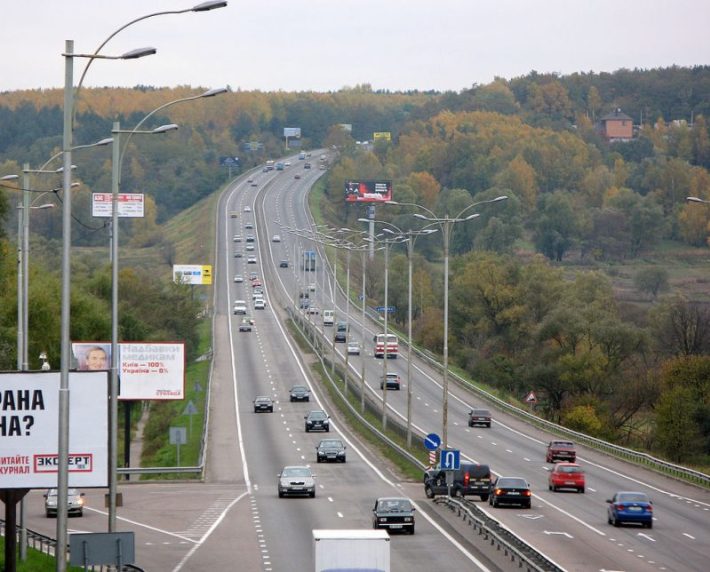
(556, 225)
(676, 430)
(681, 328)
(652, 281)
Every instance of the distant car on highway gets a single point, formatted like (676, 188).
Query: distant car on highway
(330, 450)
(259, 304)
(245, 325)
(629, 506)
(317, 420)
(354, 348)
(263, 403)
(510, 490)
(393, 381)
(247, 209)
(566, 476)
(297, 176)
(250, 248)
(560, 451)
(479, 417)
(75, 502)
(313, 310)
(250, 238)
(393, 513)
(276, 238)
(251, 259)
(238, 278)
(238, 254)
(283, 264)
(296, 480)
(248, 225)
(240, 307)
(299, 393)
(237, 238)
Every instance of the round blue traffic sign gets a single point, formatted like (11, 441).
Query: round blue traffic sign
(432, 441)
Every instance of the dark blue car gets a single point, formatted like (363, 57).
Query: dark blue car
(627, 506)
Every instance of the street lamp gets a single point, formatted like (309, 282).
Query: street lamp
(446, 223)
(697, 200)
(116, 169)
(63, 416)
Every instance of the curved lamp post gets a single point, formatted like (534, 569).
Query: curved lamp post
(63, 423)
(446, 223)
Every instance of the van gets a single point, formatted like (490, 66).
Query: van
(328, 317)
(469, 479)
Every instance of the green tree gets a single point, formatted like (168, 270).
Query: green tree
(676, 430)
(556, 225)
(652, 281)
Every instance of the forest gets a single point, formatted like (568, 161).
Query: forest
(589, 284)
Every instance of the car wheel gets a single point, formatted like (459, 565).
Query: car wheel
(81, 513)
(306, 428)
(549, 487)
(318, 460)
(343, 459)
(470, 424)
(494, 503)
(489, 425)
(427, 491)
(615, 521)
(308, 398)
(327, 429)
(291, 399)
(484, 498)
(412, 530)
(281, 495)
(528, 505)
(581, 490)
(312, 494)
(649, 524)
(554, 489)
(49, 514)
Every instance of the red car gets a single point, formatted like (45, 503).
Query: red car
(566, 476)
(255, 283)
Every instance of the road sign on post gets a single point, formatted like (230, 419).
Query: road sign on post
(450, 459)
(178, 436)
(432, 441)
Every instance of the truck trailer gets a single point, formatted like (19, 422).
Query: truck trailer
(361, 550)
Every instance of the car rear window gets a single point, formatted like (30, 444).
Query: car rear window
(569, 469)
(481, 413)
(633, 497)
(478, 471)
(512, 483)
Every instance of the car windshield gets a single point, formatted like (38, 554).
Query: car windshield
(562, 444)
(298, 389)
(317, 415)
(263, 399)
(632, 497)
(331, 444)
(569, 469)
(511, 483)
(296, 472)
(481, 413)
(394, 505)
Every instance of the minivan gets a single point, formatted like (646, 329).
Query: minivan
(469, 479)
(328, 317)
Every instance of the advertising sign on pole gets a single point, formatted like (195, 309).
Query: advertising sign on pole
(29, 417)
(292, 132)
(192, 274)
(368, 191)
(382, 135)
(130, 205)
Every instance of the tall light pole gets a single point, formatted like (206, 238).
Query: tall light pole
(445, 224)
(63, 414)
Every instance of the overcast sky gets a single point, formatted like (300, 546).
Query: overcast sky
(324, 45)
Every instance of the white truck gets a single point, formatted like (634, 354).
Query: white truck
(363, 550)
(328, 317)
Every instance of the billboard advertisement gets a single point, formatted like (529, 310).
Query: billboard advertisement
(193, 274)
(368, 191)
(383, 135)
(294, 132)
(29, 416)
(130, 205)
(146, 370)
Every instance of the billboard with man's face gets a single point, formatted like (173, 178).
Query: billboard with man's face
(368, 191)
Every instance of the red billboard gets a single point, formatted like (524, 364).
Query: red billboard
(368, 191)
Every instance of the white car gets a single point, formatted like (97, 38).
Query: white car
(276, 238)
(250, 248)
(247, 209)
(238, 278)
(257, 293)
(237, 238)
(259, 304)
(312, 286)
(240, 307)
(251, 259)
(354, 348)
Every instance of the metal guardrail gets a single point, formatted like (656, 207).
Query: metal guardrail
(157, 470)
(527, 558)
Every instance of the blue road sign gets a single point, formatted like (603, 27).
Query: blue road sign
(450, 459)
(432, 441)
(389, 309)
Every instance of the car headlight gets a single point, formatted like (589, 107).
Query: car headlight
(382, 519)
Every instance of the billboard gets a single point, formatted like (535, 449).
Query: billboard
(384, 135)
(29, 416)
(368, 191)
(146, 370)
(294, 132)
(193, 274)
(130, 205)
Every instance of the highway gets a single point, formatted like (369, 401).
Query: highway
(570, 528)
(236, 518)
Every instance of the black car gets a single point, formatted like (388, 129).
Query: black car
(263, 403)
(299, 393)
(393, 513)
(479, 417)
(317, 420)
(510, 490)
(330, 450)
(283, 264)
(469, 479)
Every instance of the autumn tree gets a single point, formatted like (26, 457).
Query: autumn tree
(651, 281)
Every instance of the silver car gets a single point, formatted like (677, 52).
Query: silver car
(297, 480)
(75, 502)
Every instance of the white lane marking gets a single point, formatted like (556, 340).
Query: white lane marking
(689, 536)
(340, 514)
(567, 534)
(646, 536)
(526, 459)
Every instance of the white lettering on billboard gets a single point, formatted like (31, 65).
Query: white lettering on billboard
(29, 414)
(130, 205)
(152, 370)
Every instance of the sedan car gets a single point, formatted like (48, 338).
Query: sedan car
(317, 420)
(330, 450)
(299, 393)
(263, 403)
(276, 238)
(247, 209)
(75, 502)
(237, 238)
(393, 513)
(250, 238)
(393, 381)
(238, 278)
(245, 325)
(248, 225)
(313, 310)
(296, 480)
(259, 304)
(479, 417)
(251, 259)
(353, 348)
(250, 248)
(628, 506)
(283, 264)
(566, 476)
(510, 490)
(238, 254)
(297, 176)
